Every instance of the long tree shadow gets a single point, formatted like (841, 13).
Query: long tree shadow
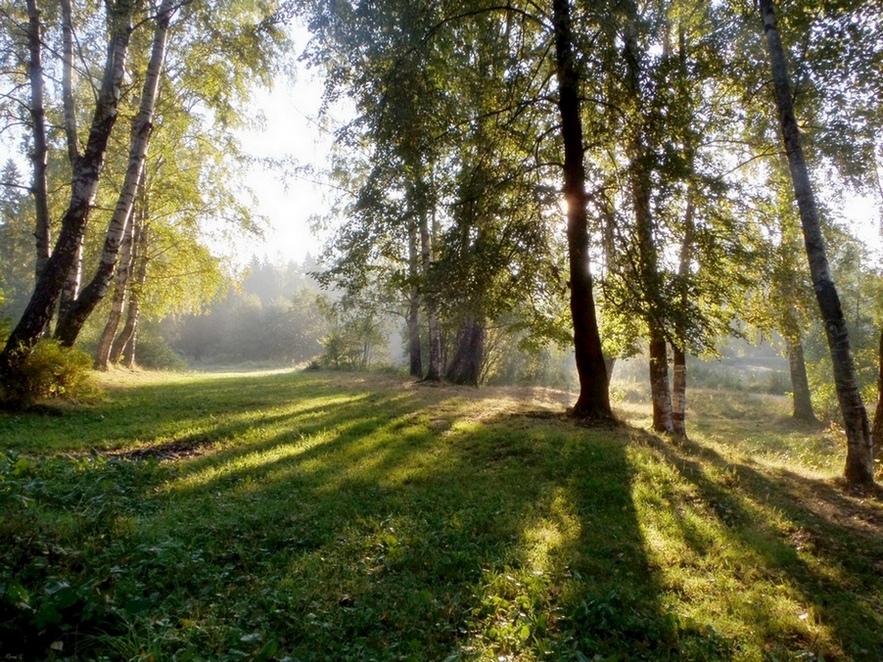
(425, 524)
(812, 535)
(391, 526)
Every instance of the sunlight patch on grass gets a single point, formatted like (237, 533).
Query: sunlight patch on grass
(555, 527)
(255, 461)
(711, 568)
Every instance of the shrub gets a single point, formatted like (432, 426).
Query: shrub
(49, 371)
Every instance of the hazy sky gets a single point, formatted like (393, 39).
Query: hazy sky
(290, 133)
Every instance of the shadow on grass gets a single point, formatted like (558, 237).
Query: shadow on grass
(327, 519)
(821, 539)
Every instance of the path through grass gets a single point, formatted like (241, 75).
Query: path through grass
(308, 516)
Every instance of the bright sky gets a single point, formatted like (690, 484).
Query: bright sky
(291, 132)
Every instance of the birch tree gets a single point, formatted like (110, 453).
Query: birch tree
(860, 449)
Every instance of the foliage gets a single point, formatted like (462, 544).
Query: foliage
(50, 371)
(317, 516)
(355, 335)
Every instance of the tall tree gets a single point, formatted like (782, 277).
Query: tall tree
(594, 397)
(75, 314)
(860, 450)
(84, 185)
(40, 151)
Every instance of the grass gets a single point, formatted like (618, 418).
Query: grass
(316, 516)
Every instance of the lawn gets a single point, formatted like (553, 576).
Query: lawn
(322, 516)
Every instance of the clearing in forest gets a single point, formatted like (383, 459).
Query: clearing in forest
(318, 516)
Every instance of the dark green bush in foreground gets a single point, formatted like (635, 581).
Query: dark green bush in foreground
(49, 371)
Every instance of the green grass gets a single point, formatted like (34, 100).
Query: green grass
(315, 516)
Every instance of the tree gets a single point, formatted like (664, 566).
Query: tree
(594, 399)
(77, 311)
(84, 185)
(860, 450)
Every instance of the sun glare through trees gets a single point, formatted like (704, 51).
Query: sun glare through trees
(479, 330)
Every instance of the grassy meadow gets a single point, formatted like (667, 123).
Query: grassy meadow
(324, 516)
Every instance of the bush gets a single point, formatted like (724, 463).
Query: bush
(49, 371)
(154, 353)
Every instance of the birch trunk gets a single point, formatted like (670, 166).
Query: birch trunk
(860, 448)
(71, 287)
(124, 343)
(40, 153)
(593, 402)
(121, 282)
(414, 348)
(84, 185)
(67, 83)
(434, 374)
(70, 324)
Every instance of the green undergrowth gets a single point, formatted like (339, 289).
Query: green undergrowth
(316, 516)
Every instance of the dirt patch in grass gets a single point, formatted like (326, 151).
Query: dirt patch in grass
(177, 449)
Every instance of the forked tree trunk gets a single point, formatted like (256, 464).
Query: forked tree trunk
(40, 153)
(414, 349)
(71, 323)
(84, 186)
(860, 447)
(466, 368)
(593, 402)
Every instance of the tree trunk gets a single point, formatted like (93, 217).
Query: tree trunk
(40, 153)
(860, 447)
(679, 381)
(125, 341)
(802, 399)
(71, 287)
(434, 374)
(414, 348)
(84, 185)
(679, 385)
(640, 181)
(660, 389)
(594, 399)
(71, 323)
(469, 357)
(799, 382)
(67, 83)
(118, 300)
(679, 393)
(877, 435)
